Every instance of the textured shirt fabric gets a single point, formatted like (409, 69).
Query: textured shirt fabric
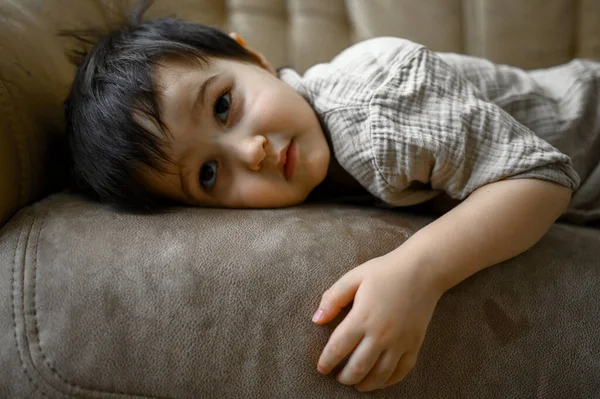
(409, 123)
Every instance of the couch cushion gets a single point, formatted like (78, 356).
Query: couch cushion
(202, 303)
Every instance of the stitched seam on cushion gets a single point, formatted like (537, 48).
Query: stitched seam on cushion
(6, 103)
(14, 311)
(38, 345)
(323, 16)
(256, 10)
(36, 342)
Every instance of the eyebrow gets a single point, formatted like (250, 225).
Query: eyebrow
(183, 179)
(201, 93)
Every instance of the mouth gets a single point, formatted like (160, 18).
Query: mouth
(288, 159)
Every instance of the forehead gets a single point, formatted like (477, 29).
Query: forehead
(176, 80)
(173, 77)
(173, 73)
(165, 182)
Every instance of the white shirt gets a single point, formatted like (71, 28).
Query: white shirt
(408, 123)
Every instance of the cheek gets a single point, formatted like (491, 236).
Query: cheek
(277, 111)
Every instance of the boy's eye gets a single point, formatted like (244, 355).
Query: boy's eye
(222, 107)
(208, 175)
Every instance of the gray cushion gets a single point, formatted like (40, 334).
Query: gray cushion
(203, 303)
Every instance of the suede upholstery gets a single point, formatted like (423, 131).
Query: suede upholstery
(197, 303)
(206, 303)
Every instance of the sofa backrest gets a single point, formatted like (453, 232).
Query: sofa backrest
(35, 73)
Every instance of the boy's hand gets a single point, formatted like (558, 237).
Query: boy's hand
(395, 295)
(384, 330)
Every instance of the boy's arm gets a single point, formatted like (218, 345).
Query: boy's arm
(394, 296)
(496, 222)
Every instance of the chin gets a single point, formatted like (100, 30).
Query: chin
(277, 203)
(322, 172)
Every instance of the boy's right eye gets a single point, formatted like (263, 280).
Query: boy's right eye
(222, 107)
(208, 175)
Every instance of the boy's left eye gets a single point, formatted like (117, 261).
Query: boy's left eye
(222, 107)
(208, 175)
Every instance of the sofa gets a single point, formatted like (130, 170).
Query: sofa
(212, 303)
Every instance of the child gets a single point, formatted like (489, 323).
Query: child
(169, 111)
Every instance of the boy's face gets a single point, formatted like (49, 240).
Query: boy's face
(242, 138)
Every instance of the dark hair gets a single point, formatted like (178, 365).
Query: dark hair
(112, 84)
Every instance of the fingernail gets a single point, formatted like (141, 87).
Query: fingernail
(318, 315)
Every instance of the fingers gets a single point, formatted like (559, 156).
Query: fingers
(369, 368)
(344, 339)
(381, 372)
(340, 294)
(360, 364)
(406, 364)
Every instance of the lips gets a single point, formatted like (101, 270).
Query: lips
(291, 160)
(288, 159)
(283, 157)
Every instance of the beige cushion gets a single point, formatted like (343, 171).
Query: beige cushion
(35, 74)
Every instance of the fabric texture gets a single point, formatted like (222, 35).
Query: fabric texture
(408, 123)
(212, 303)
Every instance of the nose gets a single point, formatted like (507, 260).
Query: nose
(251, 150)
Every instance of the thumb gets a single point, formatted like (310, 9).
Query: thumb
(340, 294)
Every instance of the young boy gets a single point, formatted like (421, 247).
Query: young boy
(169, 111)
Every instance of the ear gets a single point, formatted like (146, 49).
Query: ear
(261, 58)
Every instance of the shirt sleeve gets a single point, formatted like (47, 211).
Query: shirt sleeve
(430, 125)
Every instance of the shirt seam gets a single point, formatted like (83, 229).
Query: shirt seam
(408, 58)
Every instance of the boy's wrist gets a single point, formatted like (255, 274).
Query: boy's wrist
(431, 273)
(495, 223)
